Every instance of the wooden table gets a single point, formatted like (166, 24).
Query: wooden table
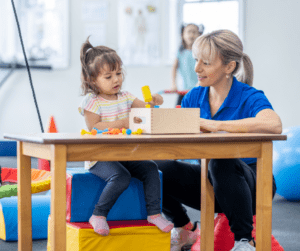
(60, 148)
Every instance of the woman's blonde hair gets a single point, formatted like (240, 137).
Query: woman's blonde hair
(228, 46)
(93, 59)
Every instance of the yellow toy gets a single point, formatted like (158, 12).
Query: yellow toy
(138, 131)
(146, 93)
(92, 132)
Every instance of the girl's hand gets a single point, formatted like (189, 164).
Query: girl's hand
(208, 125)
(125, 123)
(157, 99)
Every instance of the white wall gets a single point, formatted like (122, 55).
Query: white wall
(271, 39)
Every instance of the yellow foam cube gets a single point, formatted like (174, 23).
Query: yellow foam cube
(137, 235)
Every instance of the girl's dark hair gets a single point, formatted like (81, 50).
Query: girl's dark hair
(93, 59)
(183, 26)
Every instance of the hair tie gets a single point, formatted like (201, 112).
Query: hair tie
(89, 49)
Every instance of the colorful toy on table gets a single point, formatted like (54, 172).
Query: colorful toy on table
(138, 131)
(112, 131)
(92, 132)
(100, 131)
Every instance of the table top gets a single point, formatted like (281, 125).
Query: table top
(77, 138)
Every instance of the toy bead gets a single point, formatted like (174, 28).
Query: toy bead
(178, 106)
(139, 131)
(124, 131)
(148, 106)
(83, 132)
(128, 131)
(156, 106)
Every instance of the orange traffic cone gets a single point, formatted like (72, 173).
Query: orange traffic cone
(44, 164)
(52, 127)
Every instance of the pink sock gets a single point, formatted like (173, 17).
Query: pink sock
(99, 224)
(162, 223)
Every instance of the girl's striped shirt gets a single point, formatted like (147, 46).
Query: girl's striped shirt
(108, 110)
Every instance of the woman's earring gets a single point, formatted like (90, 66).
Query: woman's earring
(227, 76)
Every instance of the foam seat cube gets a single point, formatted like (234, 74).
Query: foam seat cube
(165, 120)
(124, 235)
(9, 217)
(84, 190)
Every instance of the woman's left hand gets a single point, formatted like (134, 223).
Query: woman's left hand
(157, 99)
(207, 125)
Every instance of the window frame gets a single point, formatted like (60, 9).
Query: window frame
(175, 38)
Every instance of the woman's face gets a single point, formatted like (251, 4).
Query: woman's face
(211, 73)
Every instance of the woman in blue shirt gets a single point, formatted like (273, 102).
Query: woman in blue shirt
(228, 102)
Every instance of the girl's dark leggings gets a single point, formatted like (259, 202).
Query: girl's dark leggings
(118, 176)
(234, 184)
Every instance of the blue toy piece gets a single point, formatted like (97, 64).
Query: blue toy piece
(286, 164)
(156, 106)
(128, 132)
(40, 214)
(100, 131)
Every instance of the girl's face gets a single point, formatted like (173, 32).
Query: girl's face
(109, 82)
(190, 33)
(211, 73)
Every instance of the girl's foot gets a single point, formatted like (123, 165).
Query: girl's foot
(99, 224)
(162, 223)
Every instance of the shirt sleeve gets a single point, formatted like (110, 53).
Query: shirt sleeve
(258, 102)
(89, 103)
(185, 101)
(130, 97)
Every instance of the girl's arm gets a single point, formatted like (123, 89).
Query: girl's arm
(266, 121)
(156, 100)
(93, 120)
(174, 73)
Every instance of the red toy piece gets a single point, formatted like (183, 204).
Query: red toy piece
(224, 238)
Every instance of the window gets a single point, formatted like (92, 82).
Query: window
(213, 14)
(44, 28)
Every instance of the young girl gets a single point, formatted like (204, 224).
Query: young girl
(184, 62)
(106, 106)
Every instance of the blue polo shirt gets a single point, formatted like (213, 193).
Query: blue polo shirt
(243, 101)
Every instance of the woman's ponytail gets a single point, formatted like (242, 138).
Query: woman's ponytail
(245, 72)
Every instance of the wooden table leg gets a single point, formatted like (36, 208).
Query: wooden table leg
(58, 197)
(264, 198)
(207, 209)
(24, 201)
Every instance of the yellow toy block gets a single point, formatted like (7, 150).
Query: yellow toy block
(137, 235)
(146, 93)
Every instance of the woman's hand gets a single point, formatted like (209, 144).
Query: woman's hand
(157, 99)
(207, 125)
